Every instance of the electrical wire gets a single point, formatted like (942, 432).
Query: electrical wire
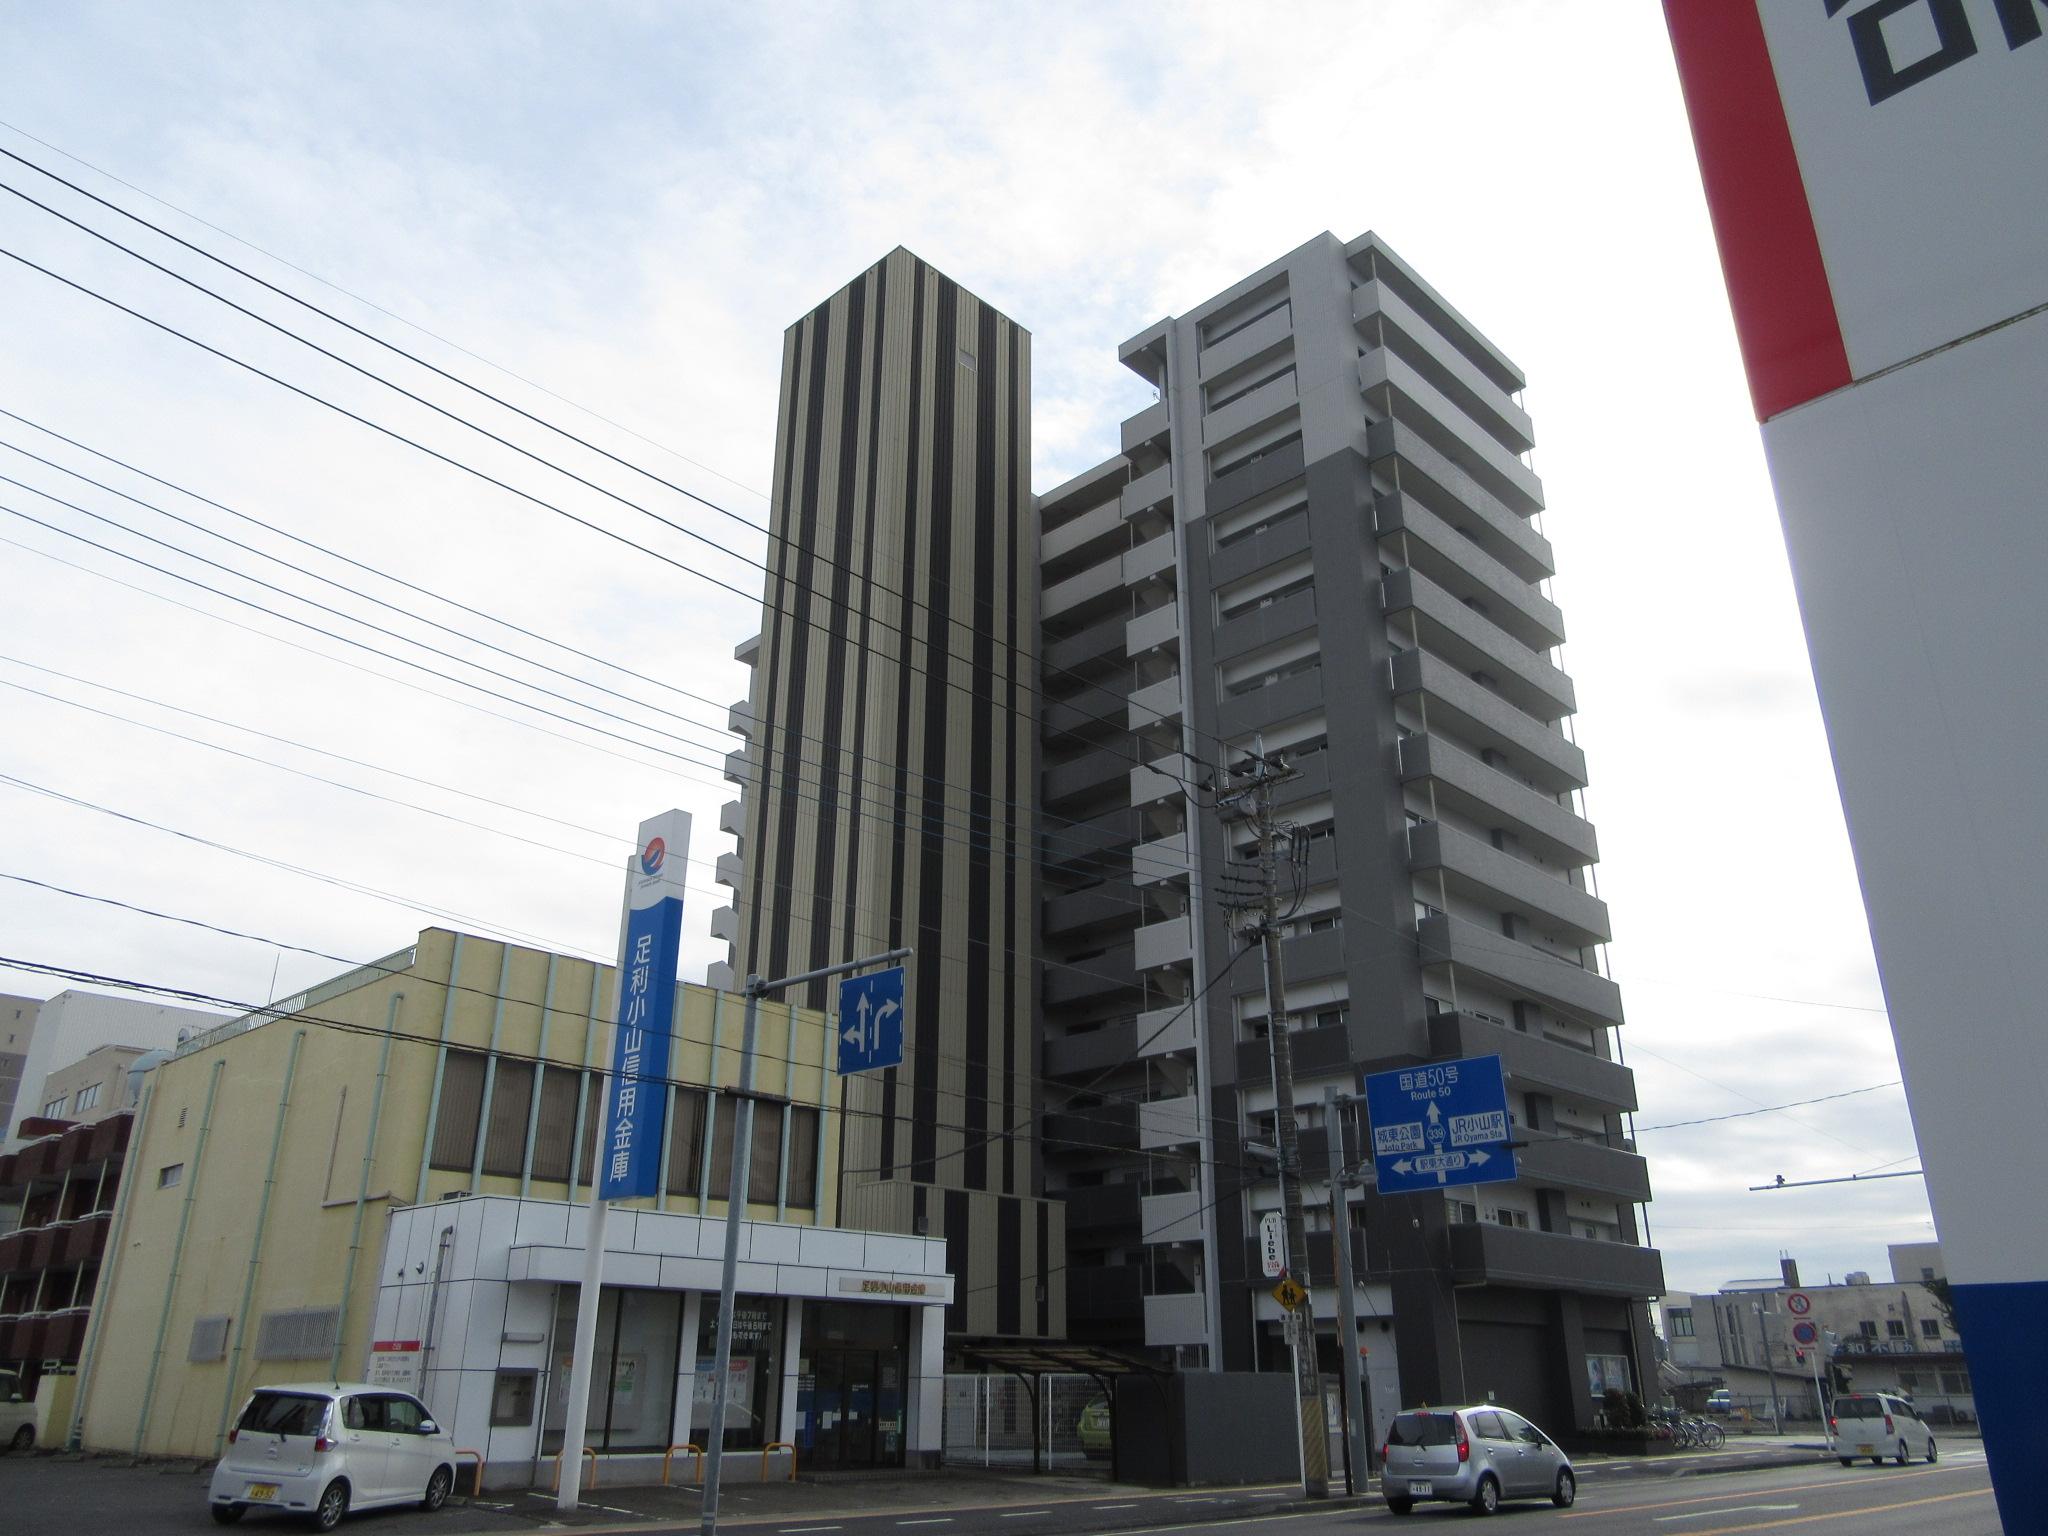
(1772, 1109)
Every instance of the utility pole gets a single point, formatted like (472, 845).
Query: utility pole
(1256, 801)
(1357, 1430)
(1763, 1338)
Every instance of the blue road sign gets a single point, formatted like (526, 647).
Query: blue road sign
(871, 1021)
(1440, 1124)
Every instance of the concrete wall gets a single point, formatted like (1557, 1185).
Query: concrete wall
(72, 1024)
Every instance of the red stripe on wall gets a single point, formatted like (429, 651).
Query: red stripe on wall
(1770, 256)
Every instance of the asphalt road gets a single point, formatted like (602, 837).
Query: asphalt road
(1953, 1497)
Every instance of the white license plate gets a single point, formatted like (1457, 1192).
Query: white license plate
(1866, 1450)
(262, 1491)
(1421, 1489)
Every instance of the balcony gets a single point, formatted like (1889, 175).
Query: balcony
(1088, 1133)
(1103, 1213)
(1162, 779)
(748, 652)
(1433, 547)
(1452, 373)
(1149, 559)
(739, 768)
(1462, 500)
(1100, 1298)
(1150, 426)
(1321, 1263)
(1094, 649)
(1170, 1122)
(1484, 1254)
(725, 924)
(1162, 1031)
(1097, 978)
(1181, 1319)
(1494, 877)
(1161, 944)
(1249, 412)
(1092, 592)
(740, 719)
(1273, 620)
(1468, 710)
(1471, 641)
(1286, 698)
(1280, 539)
(732, 817)
(1174, 1218)
(1079, 541)
(1110, 906)
(1086, 1052)
(1161, 860)
(1467, 787)
(1246, 343)
(1572, 990)
(1149, 492)
(1584, 1167)
(1095, 776)
(84, 1239)
(1153, 631)
(1534, 1062)
(1155, 703)
(729, 870)
(1317, 1051)
(1464, 441)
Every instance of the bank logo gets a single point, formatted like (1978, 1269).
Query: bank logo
(652, 856)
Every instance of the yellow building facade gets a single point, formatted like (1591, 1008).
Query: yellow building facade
(273, 1156)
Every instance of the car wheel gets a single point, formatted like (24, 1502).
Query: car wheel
(437, 1489)
(1487, 1500)
(24, 1439)
(1567, 1490)
(226, 1514)
(1400, 1506)
(1904, 1455)
(1932, 1454)
(1847, 1461)
(1877, 1461)
(332, 1506)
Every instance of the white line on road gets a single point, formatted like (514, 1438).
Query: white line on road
(793, 1530)
(1112, 1506)
(1019, 1514)
(1731, 1509)
(935, 1520)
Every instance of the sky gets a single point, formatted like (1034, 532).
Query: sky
(606, 214)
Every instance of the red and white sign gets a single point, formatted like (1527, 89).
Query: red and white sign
(1876, 175)
(396, 1363)
(1799, 1303)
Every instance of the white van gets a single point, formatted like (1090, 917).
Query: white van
(17, 1415)
(1877, 1425)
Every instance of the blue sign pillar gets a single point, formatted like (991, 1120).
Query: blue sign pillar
(1439, 1124)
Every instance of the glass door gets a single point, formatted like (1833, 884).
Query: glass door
(843, 1400)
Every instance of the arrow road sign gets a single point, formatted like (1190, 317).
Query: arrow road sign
(871, 1021)
(1440, 1124)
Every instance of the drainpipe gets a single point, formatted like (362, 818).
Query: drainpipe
(1198, 1004)
(483, 1114)
(355, 1231)
(434, 1306)
(440, 1070)
(116, 1236)
(284, 1101)
(163, 1322)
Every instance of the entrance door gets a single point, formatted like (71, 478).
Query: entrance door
(843, 1401)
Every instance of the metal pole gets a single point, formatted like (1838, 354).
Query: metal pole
(1308, 1381)
(1770, 1367)
(1359, 1437)
(736, 1210)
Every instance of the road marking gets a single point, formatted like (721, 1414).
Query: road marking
(1715, 1498)
(792, 1530)
(1197, 1501)
(1847, 1514)
(1733, 1509)
(935, 1520)
(1112, 1506)
(1019, 1514)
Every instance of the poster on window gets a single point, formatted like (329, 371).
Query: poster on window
(739, 1392)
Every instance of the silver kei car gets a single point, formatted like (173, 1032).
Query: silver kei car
(1477, 1456)
(321, 1449)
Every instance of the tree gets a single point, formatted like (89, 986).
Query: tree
(1944, 1301)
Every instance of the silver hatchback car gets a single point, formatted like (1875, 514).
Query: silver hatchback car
(1477, 1456)
(323, 1448)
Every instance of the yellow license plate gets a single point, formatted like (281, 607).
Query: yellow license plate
(1866, 1450)
(261, 1491)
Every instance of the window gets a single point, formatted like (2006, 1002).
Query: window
(555, 1133)
(803, 1158)
(402, 1416)
(169, 1178)
(209, 1339)
(1894, 1328)
(686, 1142)
(299, 1333)
(54, 1110)
(1487, 1426)
(1930, 1328)
(1464, 1213)
(1508, 1218)
(462, 1103)
(1926, 1271)
(88, 1098)
(511, 1099)
(1679, 1320)
(1867, 1328)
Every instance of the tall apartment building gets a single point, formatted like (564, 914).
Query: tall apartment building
(891, 759)
(1323, 537)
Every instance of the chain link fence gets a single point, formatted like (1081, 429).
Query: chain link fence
(989, 1421)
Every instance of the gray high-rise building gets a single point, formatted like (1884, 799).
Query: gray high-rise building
(1322, 540)
(892, 756)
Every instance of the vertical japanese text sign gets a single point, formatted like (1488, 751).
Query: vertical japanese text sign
(636, 1092)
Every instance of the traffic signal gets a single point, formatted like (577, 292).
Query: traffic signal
(1799, 1355)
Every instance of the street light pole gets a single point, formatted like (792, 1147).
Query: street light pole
(736, 1210)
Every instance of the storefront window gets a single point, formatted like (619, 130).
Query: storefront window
(750, 1404)
(632, 1377)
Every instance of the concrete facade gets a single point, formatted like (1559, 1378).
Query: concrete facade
(274, 1157)
(1323, 540)
(72, 1025)
(888, 775)
(17, 1028)
(95, 1086)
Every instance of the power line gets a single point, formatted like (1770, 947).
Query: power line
(1064, 821)
(1771, 1109)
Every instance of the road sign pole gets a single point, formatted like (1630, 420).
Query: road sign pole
(736, 1210)
(1359, 1430)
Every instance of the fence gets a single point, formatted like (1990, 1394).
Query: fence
(988, 1421)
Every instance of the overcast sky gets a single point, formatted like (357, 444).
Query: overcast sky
(624, 205)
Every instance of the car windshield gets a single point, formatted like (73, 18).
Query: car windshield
(283, 1413)
(1859, 1408)
(1423, 1429)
